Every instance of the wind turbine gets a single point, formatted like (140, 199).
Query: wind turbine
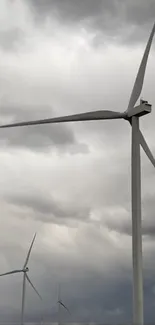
(61, 304)
(132, 115)
(24, 270)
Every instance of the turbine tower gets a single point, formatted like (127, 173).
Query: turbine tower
(132, 114)
(24, 270)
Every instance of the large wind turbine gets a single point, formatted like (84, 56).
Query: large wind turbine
(24, 270)
(132, 115)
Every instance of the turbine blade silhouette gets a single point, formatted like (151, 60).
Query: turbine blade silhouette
(59, 293)
(137, 88)
(61, 303)
(146, 148)
(23, 298)
(28, 279)
(89, 116)
(12, 272)
(137, 139)
(29, 252)
(59, 309)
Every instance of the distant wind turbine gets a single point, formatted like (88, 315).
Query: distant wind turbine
(24, 270)
(132, 115)
(61, 304)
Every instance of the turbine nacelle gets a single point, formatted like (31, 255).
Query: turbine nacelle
(26, 269)
(140, 110)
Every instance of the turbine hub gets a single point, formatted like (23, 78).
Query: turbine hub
(26, 269)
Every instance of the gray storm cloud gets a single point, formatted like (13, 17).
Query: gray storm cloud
(35, 137)
(109, 17)
(71, 183)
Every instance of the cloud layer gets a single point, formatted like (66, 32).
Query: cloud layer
(71, 182)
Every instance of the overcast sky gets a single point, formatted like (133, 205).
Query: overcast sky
(71, 183)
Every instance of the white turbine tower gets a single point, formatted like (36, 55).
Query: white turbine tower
(24, 270)
(132, 115)
(61, 304)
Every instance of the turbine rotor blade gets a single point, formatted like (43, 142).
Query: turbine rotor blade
(141, 73)
(59, 293)
(28, 279)
(12, 272)
(89, 116)
(29, 252)
(61, 303)
(23, 299)
(146, 148)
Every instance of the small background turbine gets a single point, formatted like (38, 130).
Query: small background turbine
(132, 115)
(61, 305)
(24, 270)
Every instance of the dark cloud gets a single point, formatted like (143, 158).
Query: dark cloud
(148, 221)
(88, 292)
(71, 10)
(47, 209)
(90, 301)
(37, 137)
(105, 18)
(148, 215)
(93, 289)
(78, 204)
(90, 295)
(93, 304)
